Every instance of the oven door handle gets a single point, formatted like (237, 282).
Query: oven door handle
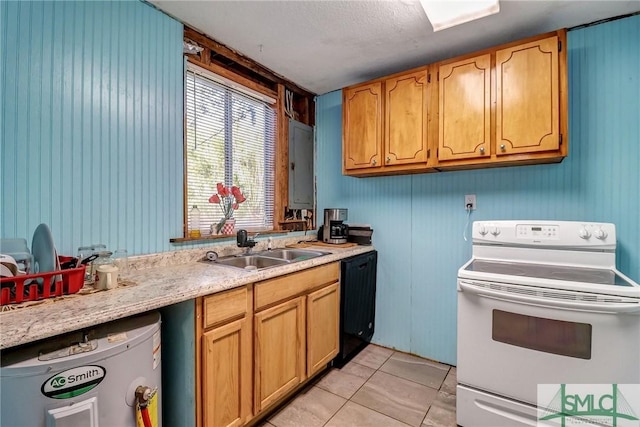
(602, 307)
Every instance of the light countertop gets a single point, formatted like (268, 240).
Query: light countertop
(157, 281)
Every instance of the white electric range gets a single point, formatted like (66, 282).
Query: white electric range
(541, 302)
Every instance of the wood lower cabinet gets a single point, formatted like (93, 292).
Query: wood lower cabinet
(280, 351)
(257, 344)
(225, 363)
(296, 330)
(323, 327)
(226, 374)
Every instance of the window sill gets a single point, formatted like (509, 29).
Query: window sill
(223, 236)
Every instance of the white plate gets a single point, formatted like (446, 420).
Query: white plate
(43, 250)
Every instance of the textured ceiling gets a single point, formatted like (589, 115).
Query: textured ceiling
(326, 45)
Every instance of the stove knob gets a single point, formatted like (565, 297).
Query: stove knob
(495, 231)
(600, 234)
(584, 233)
(482, 230)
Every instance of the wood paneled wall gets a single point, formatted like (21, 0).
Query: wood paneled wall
(92, 106)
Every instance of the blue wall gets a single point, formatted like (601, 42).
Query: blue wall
(91, 124)
(179, 364)
(419, 219)
(91, 143)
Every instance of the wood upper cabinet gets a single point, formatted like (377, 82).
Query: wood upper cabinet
(386, 125)
(323, 327)
(406, 103)
(504, 106)
(527, 102)
(362, 126)
(465, 109)
(224, 368)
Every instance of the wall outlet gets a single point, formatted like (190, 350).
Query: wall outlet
(470, 199)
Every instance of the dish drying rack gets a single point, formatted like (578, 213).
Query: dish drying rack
(34, 287)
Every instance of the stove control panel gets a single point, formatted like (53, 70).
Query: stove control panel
(546, 233)
(537, 231)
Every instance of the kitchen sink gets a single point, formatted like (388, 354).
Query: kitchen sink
(268, 259)
(293, 254)
(251, 262)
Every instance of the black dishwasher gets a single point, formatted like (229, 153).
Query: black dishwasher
(357, 304)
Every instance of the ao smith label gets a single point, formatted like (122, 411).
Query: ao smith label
(73, 382)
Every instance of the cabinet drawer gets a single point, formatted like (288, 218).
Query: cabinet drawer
(281, 288)
(224, 306)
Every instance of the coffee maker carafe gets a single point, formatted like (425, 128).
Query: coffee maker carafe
(334, 230)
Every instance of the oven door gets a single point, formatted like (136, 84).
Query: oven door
(512, 338)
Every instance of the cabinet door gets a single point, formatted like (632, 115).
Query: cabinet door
(465, 109)
(406, 102)
(362, 126)
(527, 104)
(323, 327)
(279, 351)
(226, 374)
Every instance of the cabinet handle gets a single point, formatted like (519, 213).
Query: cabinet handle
(481, 150)
(388, 159)
(503, 147)
(373, 162)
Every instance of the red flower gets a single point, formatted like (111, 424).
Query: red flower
(222, 190)
(214, 199)
(238, 195)
(235, 206)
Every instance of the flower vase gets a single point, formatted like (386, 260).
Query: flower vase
(228, 226)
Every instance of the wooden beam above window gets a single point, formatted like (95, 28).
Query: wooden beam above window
(240, 63)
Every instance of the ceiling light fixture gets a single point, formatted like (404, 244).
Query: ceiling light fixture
(445, 14)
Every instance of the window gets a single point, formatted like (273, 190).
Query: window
(230, 138)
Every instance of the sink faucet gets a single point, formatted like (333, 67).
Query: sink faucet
(245, 242)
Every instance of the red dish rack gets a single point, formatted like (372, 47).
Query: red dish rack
(33, 287)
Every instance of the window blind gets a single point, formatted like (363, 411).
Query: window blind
(230, 138)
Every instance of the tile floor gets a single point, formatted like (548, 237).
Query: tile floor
(378, 388)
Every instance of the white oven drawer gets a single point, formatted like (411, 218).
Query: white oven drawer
(475, 408)
(508, 346)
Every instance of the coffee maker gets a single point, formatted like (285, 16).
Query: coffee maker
(334, 230)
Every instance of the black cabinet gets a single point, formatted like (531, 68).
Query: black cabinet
(357, 304)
